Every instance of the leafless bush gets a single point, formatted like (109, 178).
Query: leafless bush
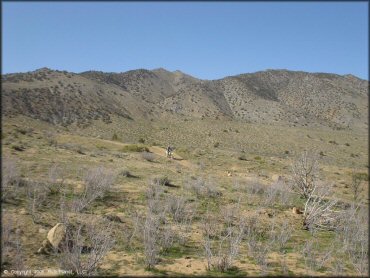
(356, 187)
(181, 211)
(314, 257)
(6, 237)
(252, 234)
(56, 179)
(10, 178)
(280, 234)
(167, 237)
(151, 240)
(203, 188)
(318, 210)
(97, 182)
(278, 193)
(85, 246)
(36, 197)
(147, 156)
(261, 255)
(255, 187)
(221, 242)
(162, 180)
(12, 250)
(352, 234)
(154, 202)
(305, 173)
(125, 173)
(51, 138)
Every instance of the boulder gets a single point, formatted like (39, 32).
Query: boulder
(46, 247)
(57, 234)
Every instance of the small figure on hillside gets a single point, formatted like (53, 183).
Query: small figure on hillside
(169, 152)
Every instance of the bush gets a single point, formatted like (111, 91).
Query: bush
(162, 180)
(216, 145)
(305, 173)
(147, 156)
(126, 173)
(134, 148)
(222, 240)
(114, 137)
(242, 157)
(142, 140)
(10, 178)
(85, 246)
(97, 182)
(203, 188)
(18, 148)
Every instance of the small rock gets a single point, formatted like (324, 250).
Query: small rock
(114, 218)
(23, 211)
(46, 247)
(296, 211)
(42, 231)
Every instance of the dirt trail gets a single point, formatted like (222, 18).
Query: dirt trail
(161, 152)
(178, 159)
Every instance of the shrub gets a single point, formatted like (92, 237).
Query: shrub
(10, 178)
(114, 137)
(216, 145)
(305, 174)
(147, 156)
(221, 241)
(242, 157)
(18, 148)
(125, 173)
(203, 188)
(85, 246)
(97, 182)
(142, 140)
(162, 180)
(134, 148)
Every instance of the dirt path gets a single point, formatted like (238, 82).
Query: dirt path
(178, 159)
(159, 151)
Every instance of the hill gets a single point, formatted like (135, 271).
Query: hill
(270, 97)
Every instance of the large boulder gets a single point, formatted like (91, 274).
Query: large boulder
(57, 234)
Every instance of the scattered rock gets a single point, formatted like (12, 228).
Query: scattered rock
(46, 247)
(23, 211)
(296, 211)
(114, 218)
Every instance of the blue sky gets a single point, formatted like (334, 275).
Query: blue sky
(208, 40)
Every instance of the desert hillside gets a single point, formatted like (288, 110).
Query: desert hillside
(268, 176)
(271, 97)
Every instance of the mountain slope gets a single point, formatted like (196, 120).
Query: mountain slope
(269, 97)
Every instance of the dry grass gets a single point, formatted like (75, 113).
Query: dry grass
(200, 186)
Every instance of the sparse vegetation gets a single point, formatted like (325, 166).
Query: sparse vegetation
(238, 199)
(135, 148)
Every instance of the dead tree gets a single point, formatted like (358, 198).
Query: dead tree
(305, 173)
(318, 209)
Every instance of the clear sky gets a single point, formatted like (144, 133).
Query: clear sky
(208, 40)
